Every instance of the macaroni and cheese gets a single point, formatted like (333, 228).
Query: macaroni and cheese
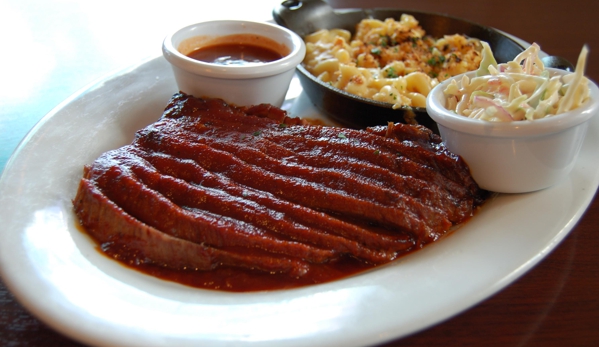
(389, 61)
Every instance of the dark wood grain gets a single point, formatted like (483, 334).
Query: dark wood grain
(557, 302)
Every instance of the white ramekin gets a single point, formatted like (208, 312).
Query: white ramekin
(239, 85)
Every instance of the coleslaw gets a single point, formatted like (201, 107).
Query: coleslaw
(519, 90)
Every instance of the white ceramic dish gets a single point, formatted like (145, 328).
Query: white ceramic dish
(238, 84)
(55, 271)
(519, 156)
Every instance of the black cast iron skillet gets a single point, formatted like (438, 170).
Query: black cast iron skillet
(307, 16)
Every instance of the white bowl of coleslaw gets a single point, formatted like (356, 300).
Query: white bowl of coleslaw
(514, 156)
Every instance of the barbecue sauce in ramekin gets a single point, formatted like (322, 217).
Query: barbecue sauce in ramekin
(240, 49)
(235, 54)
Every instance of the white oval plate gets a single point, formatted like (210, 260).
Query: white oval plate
(56, 272)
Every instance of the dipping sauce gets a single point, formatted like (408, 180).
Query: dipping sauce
(241, 49)
(235, 54)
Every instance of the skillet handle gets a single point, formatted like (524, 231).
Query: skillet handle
(558, 63)
(306, 16)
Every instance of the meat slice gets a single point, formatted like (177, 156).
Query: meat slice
(319, 222)
(398, 215)
(210, 185)
(111, 226)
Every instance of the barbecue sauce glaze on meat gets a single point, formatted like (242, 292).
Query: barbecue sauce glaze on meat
(245, 198)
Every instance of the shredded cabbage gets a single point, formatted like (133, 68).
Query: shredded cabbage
(521, 89)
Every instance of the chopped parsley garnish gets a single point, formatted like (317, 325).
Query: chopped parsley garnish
(436, 60)
(384, 40)
(391, 73)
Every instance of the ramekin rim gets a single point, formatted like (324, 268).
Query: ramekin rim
(290, 61)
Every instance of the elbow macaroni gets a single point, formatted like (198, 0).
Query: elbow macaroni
(389, 61)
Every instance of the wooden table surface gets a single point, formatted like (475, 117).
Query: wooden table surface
(554, 304)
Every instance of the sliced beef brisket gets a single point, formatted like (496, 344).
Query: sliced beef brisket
(212, 185)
